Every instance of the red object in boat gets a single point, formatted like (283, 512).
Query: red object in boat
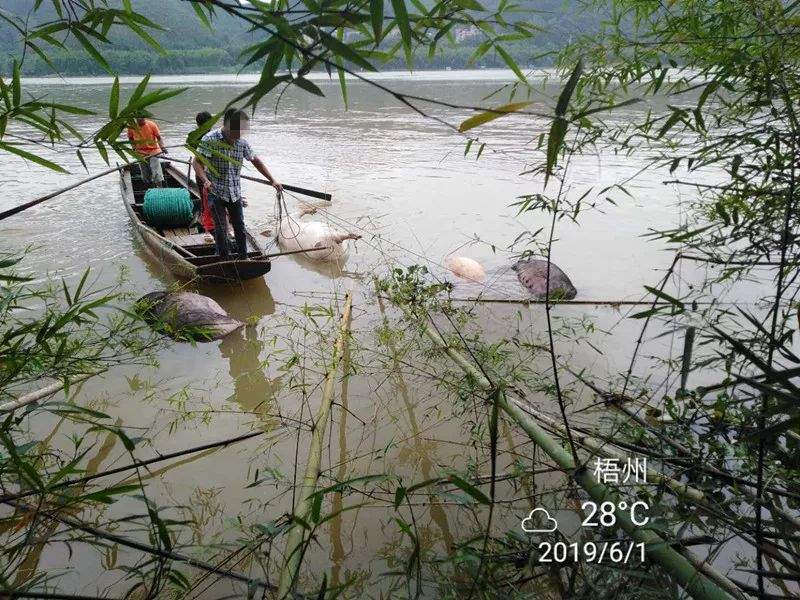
(206, 218)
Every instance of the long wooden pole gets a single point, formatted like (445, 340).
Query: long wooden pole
(697, 584)
(18, 209)
(293, 188)
(294, 539)
(286, 186)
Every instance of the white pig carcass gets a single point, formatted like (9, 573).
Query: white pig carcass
(295, 234)
(466, 268)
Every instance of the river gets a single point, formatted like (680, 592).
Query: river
(403, 182)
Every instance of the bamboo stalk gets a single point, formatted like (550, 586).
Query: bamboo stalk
(682, 570)
(597, 302)
(601, 447)
(294, 539)
(552, 301)
(40, 394)
(702, 565)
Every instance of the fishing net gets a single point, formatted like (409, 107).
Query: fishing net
(168, 207)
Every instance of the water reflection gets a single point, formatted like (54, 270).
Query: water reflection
(330, 270)
(249, 302)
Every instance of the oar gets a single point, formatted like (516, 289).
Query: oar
(17, 209)
(292, 188)
(286, 186)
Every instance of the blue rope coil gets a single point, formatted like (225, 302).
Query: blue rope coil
(168, 207)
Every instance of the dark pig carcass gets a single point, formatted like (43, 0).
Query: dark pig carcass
(533, 275)
(187, 316)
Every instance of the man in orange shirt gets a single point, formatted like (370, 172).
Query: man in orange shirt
(146, 139)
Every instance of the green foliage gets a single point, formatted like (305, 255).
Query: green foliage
(411, 287)
(71, 332)
(61, 333)
(287, 47)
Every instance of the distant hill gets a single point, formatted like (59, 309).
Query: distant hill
(192, 48)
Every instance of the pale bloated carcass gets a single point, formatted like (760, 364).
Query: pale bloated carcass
(295, 234)
(466, 268)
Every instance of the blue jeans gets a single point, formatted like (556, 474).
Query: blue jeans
(222, 211)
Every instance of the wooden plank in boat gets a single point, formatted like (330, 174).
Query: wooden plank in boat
(207, 260)
(190, 239)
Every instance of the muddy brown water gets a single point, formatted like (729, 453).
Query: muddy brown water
(403, 182)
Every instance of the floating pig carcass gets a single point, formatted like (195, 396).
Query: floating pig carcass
(323, 242)
(534, 275)
(186, 316)
(465, 268)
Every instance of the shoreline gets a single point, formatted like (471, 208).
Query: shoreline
(488, 74)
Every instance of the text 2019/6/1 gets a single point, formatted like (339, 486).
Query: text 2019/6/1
(590, 552)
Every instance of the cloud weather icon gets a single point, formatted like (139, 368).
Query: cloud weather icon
(529, 527)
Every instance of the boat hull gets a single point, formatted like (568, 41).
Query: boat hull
(190, 261)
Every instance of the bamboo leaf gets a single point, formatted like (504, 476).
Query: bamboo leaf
(664, 296)
(496, 113)
(470, 489)
(140, 88)
(92, 51)
(376, 12)
(201, 14)
(307, 85)
(401, 18)
(399, 495)
(316, 507)
(598, 109)
(148, 39)
(340, 72)
(16, 86)
(569, 89)
(345, 51)
(670, 122)
(106, 496)
(555, 140)
(113, 102)
(32, 157)
(469, 4)
(511, 63)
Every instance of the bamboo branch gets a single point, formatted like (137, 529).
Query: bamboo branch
(135, 465)
(154, 551)
(42, 393)
(601, 447)
(658, 550)
(294, 539)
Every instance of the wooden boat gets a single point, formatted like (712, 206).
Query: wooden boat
(187, 252)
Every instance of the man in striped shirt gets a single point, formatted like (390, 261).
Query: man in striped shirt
(224, 150)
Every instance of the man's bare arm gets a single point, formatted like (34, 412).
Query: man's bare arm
(262, 168)
(200, 171)
(161, 144)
